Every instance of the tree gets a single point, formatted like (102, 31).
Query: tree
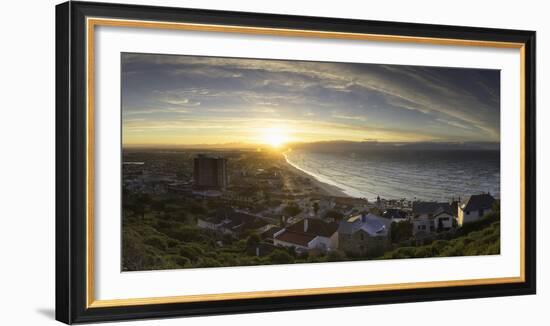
(292, 209)
(139, 209)
(159, 206)
(401, 231)
(144, 198)
(336, 256)
(156, 241)
(334, 214)
(496, 207)
(252, 241)
(126, 194)
(197, 209)
(141, 204)
(316, 207)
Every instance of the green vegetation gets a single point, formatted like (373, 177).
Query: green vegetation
(477, 238)
(316, 207)
(292, 209)
(160, 228)
(155, 243)
(334, 214)
(401, 231)
(162, 234)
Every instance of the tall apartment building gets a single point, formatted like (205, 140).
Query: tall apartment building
(210, 172)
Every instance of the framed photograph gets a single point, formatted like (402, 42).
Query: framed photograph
(213, 162)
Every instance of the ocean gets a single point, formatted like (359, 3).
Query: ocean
(430, 175)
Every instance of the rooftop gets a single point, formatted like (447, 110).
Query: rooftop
(237, 221)
(477, 202)
(300, 239)
(443, 209)
(394, 213)
(315, 227)
(372, 224)
(428, 207)
(270, 232)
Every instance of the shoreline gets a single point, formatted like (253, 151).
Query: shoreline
(326, 188)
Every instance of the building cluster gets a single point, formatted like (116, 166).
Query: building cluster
(430, 217)
(364, 234)
(321, 223)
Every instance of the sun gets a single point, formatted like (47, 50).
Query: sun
(275, 136)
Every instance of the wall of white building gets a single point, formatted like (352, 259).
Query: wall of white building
(470, 216)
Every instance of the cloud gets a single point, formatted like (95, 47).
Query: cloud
(441, 103)
(349, 117)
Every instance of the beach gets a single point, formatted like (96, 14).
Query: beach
(325, 188)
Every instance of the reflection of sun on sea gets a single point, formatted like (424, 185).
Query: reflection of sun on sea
(275, 137)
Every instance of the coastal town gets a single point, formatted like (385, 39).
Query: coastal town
(213, 208)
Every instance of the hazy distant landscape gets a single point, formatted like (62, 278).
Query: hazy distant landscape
(237, 162)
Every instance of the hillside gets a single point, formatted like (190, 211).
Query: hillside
(471, 242)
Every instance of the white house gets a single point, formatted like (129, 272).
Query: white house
(228, 221)
(475, 208)
(309, 233)
(431, 217)
(443, 218)
(211, 223)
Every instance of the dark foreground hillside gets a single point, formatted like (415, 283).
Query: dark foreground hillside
(478, 238)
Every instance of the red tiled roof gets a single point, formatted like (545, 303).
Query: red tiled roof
(315, 227)
(295, 238)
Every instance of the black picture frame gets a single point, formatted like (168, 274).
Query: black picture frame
(71, 157)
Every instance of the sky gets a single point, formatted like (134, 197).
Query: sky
(194, 100)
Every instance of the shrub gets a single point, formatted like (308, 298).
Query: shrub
(401, 231)
(181, 261)
(171, 243)
(292, 209)
(333, 214)
(438, 246)
(336, 256)
(197, 209)
(133, 251)
(156, 241)
(192, 251)
(279, 256)
(178, 217)
(405, 252)
(185, 234)
(422, 252)
(208, 262)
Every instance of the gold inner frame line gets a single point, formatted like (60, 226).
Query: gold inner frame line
(92, 22)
